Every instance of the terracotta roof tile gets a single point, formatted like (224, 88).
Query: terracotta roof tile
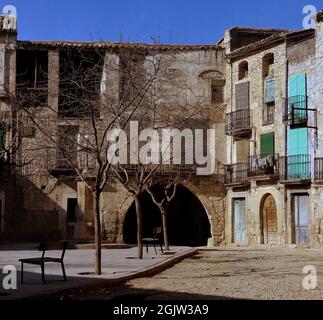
(114, 45)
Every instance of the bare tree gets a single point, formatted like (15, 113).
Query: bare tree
(168, 194)
(96, 91)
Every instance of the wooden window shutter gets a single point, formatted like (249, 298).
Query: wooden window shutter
(270, 91)
(267, 144)
(242, 151)
(242, 96)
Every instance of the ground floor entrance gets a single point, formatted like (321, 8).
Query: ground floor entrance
(300, 219)
(268, 219)
(239, 220)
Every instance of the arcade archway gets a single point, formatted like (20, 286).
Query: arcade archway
(188, 223)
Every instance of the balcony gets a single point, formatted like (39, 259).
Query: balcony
(238, 123)
(318, 169)
(236, 174)
(83, 161)
(295, 168)
(264, 166)
(295, 111)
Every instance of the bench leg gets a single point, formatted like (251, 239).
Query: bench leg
(22, 273)
(161, 247)
(64, 274)
(155, 248)
(147, 247)
(43, 272)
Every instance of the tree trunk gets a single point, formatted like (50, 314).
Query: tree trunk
(139, 227)
(97, 225)
(165, 230)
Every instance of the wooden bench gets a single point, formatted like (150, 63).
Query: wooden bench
(41, 261)
(156, 239)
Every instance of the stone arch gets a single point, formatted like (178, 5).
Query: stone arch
(267, 61)
(211, 74)
(189, 220)
(268, 219)
(243, 70)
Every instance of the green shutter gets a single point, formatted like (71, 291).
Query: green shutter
(2, 139)
(267, 144)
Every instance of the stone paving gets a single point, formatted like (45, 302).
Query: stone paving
(79, 264)
(225, 273)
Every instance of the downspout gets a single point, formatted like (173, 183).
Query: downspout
(286, 152)
(228, 61)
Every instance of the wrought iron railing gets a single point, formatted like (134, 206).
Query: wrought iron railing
(318, 169)
(295, 167)
(263, 165)
(236, 173)
(236, 121)
(295, 110)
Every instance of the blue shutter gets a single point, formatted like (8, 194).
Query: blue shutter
(270, 91)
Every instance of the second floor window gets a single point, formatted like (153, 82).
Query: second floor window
(80, 78)
(217, 91)
(67, 146)
(32, 78)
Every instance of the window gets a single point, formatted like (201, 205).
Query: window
(267, 144)
(80, 80)
(67, 147)
(243, 70)
(217, 91)
(132, 75)
(71, 210)
(268, 113)
(269, 89)
(267, 65)
(32, 78)
(242, 96)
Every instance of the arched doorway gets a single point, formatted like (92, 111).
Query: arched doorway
(269, 220)
(188, 223)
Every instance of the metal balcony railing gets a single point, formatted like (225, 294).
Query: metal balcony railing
(236, 173)
(295, 167)
(295, 110)
(238, 122)
(263, 165)
(318, 169)
(57, 164)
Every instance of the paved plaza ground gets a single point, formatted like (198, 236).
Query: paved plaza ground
(116, 264)
(226, 273)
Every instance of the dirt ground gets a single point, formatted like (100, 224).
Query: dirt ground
(226, 274)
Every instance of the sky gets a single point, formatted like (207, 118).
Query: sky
(167, 21)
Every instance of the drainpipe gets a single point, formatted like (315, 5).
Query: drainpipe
(286, 152)
(231, 70)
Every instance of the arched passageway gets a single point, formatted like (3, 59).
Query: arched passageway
(188, 223)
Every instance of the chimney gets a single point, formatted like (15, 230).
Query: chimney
(8, 39)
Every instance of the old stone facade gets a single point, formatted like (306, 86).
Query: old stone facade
(268, 150)
(273, 145)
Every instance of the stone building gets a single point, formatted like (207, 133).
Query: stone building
(262, 89)
(45, 200)
(273, 146)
